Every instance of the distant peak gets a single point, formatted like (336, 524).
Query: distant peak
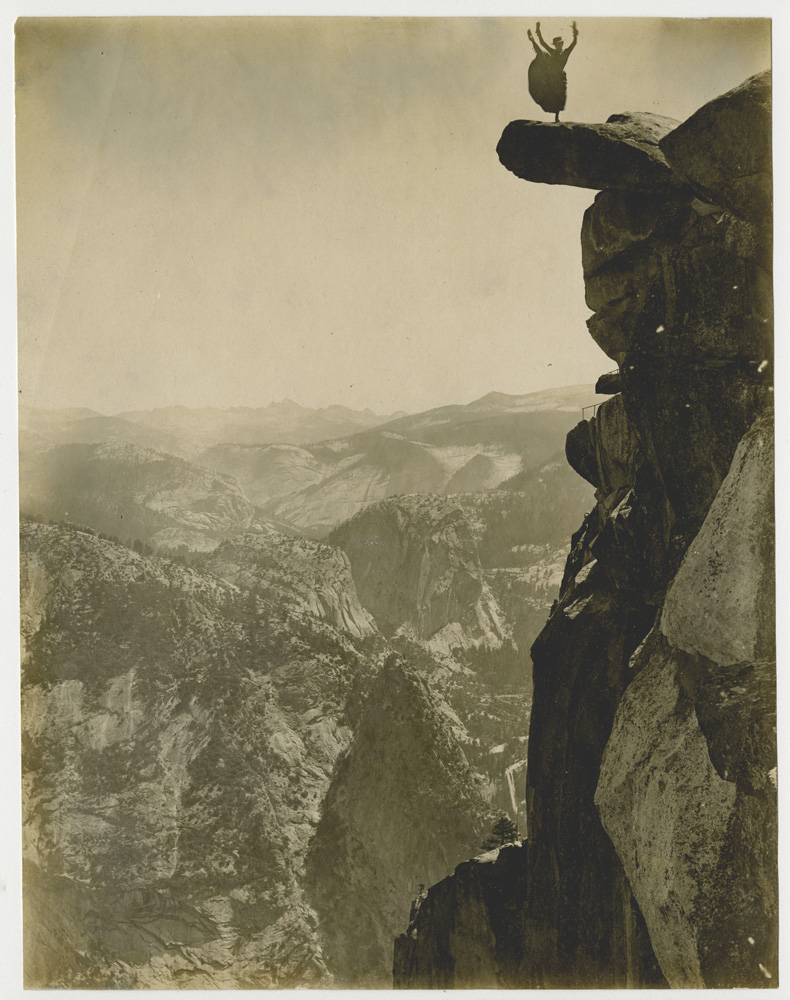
(287, 405)
(493, 397)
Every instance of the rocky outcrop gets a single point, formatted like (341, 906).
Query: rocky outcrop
(623, 154)
(724, 150)
(670, 278)
(687, 790)
(309, 574)
(682, 303)
(415, 566)
(651, 841)
(403, 792)
(467, 931)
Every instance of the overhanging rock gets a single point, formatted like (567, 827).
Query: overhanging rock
(623, 153)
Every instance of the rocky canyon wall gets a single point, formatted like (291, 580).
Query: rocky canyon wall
(650, 858)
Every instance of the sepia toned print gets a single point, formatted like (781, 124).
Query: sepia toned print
(396, 503)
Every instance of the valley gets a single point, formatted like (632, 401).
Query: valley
(225, 716)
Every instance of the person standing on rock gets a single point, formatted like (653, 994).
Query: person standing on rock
(547, 81)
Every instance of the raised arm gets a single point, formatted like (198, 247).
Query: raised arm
(572, 46)
(540, 39)
(534, 43)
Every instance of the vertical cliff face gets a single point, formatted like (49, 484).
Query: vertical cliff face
(651, 852)
(311, 575)
(403, 791)
(416, 567)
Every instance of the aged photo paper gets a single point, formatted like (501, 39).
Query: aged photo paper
(396, 502)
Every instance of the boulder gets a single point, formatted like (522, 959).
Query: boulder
(580, 451)
(622, 154)
(687, 788)
(608, 384)
(721, 603)
(723, 151)
(618, 450)
(698, 846)
(670, 279)
(605, 450)
(616, 221)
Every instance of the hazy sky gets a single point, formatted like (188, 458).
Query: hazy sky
(228, 211)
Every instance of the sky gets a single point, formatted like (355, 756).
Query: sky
(229, 211)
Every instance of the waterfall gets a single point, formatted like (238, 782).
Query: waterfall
(511, 784)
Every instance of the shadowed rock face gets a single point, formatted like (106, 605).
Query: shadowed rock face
(467, 933)
(583, 928)
(673, 279)
(651, 849)
(623, 154)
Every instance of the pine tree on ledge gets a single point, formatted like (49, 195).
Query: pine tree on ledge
(503, 832)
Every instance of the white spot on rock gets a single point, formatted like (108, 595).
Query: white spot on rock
(577, 607)
(584, 572)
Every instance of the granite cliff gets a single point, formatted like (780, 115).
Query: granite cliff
(650, 856)
(416, 568)
(308, 574)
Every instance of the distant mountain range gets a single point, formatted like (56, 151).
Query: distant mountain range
(185, 432)
(452, 449)
(72, 461)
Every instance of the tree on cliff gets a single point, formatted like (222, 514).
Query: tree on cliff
(503, 832)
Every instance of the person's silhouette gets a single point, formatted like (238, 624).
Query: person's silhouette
(547, 81)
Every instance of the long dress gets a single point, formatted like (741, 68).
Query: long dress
(548, 84)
